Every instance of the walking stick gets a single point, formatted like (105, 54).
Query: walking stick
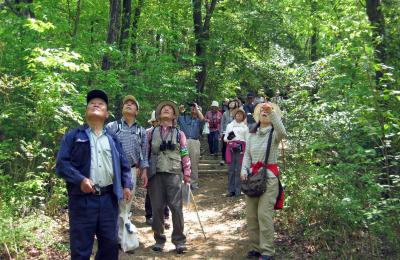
(198, 217)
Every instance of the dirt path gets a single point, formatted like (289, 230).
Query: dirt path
(222, 219)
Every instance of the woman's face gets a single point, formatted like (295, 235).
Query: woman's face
(264, 117)
(232, 105)
(239, 117)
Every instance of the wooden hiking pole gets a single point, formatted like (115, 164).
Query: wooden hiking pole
(283, 155)
(198, 217)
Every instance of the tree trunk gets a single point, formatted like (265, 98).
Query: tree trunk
(77, 18)
(201, 33)
(113, 29)
(314, 35)
(377, 20)
(138, 11)
(24, 11)
(126, 22)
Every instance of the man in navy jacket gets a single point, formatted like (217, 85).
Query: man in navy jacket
(97, 173)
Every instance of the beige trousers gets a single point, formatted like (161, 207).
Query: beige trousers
(194, 155)
(259, 219)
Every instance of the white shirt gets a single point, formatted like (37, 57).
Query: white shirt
(240, 130)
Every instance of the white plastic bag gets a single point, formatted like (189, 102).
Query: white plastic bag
(129, 240)
(206, 128)
(186, 195)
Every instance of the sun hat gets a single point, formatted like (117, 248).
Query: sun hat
(153, 117)
(166, 103)
(214, 104)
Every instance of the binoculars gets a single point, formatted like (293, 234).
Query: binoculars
(231, 135)
(167, 146)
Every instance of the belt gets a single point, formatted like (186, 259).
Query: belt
(99, 191)
(193, 138)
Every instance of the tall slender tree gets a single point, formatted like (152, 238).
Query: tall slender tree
(113, 29)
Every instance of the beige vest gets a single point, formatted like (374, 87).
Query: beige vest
(167, 160)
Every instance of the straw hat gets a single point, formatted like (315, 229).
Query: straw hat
(166, 103)
(153, 117)
(257, 110)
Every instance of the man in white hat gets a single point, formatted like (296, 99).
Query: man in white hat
(134, 143)
(213, 117)
(169, 164)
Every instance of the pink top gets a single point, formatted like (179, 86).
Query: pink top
(214, 120)
(182, 143)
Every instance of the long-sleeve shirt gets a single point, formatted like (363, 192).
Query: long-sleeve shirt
(226, 119)
(256, 144)
(134, 142)
(214, 120)
(240, 130)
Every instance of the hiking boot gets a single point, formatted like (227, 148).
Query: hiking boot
(149, 221)
(253, 254)
(222, 163)
(180, 249)
(158, 247)
(265, 257)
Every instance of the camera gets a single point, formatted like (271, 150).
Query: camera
(231, 135)
(167, 146)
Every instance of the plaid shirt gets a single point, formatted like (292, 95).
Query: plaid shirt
(134, 142)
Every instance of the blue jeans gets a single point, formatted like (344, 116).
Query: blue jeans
(213, 139)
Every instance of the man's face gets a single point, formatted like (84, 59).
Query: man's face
(130, 108)
(250, 100)
(193, 111)
(214, 109)
(167, 112)
(97, 109)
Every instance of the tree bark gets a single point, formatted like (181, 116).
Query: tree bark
(138, 11)
(77, 18)
(126, 22)
(201, 32)
(113, 29)
(314, 35)
(377, 20)
(24, 11)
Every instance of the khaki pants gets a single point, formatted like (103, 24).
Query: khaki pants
(124, 207)
(194, 155)
(259, 219)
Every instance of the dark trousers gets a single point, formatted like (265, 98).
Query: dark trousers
(149, 210)
(91, 215)
(213, 140)
(166, 189)
(223, 151)
(234, 173)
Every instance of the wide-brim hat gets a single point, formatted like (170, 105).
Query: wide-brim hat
(153, 117)
(257, 111)
(96, 93)
(131, 98)
(237, 110)
(165, 103)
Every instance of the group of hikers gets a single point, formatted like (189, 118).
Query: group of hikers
(102, 164)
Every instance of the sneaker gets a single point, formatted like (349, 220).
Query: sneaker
(253, 254)
(230, 194)
(158, 247)
(149, 221)
(180, 249)
(222, 163)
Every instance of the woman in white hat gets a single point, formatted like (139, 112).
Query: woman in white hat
(236, 135)
(213, 117)
(259, 209)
